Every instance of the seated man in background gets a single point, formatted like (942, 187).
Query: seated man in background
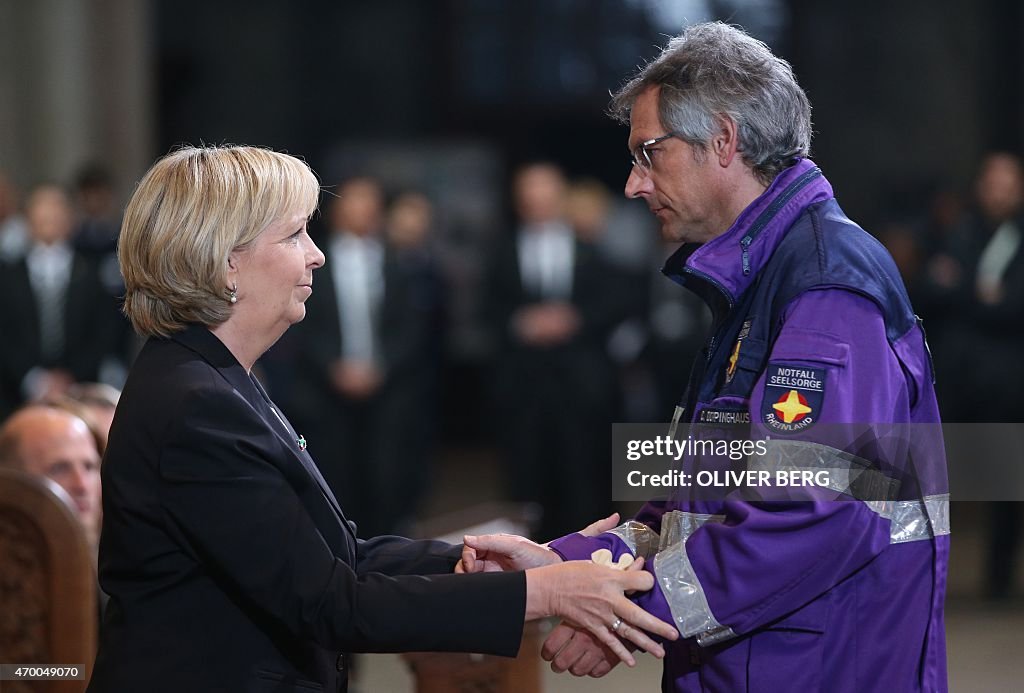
(54, 443)
(97, 402)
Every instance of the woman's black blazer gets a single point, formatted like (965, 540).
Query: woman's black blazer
(230, 566)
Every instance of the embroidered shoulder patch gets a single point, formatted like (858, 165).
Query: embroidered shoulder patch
(793, 396)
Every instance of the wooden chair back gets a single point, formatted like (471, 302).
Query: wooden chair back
(48, 588)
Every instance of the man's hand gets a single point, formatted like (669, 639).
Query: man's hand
(578, 652)
(601, 526)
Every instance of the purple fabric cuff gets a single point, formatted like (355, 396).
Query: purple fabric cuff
(653, 602)
(576, 547)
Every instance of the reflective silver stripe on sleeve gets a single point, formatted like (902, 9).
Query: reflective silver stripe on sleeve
(677, 525)
(910, 520)
(641, 539)
(847, 473)
(685, 597)
(916, 520)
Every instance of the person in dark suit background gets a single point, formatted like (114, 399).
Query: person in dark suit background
(551, 303)
(979, 368)
(98, 224)
(363, 360)
(99, 216)
(413, 256)
(229, 563)
(13, 229)
(57, 322)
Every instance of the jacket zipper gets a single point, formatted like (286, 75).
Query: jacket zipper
(766, 216)
(697, 377)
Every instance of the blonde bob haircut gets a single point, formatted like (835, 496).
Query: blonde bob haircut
(189, 212)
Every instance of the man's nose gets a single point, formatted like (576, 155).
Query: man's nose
(78, 481)
(637, 185)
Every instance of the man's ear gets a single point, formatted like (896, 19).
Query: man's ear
(725, 142)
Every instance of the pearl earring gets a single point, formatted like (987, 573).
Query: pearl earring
(233, 294)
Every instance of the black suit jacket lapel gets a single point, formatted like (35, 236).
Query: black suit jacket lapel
(206, 344)
(290, 438)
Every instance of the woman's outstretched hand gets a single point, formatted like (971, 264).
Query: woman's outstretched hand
(593, 597)
(497, 552)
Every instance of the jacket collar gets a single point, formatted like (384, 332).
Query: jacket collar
(731, 261)
(201, 340)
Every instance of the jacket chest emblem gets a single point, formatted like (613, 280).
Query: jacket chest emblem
(730, 371)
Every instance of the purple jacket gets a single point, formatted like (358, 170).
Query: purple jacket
(813, 595)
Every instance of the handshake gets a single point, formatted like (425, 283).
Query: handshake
(600, 625)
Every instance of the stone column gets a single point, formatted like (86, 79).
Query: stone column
(76, 85)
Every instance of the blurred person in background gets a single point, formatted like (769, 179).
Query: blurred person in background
(588, 207)
(551, 303)
(98, 402)
(410, 218)
(986, 281)
(982, 372)
(55, 443)
(663, 328)
(938, 274)
(676, 325)
(13, 229)
(57, 322)
(588, 204)
(589, 211)
(410, 228)
(99, 218)
(229, 563)
(363, 359)
(95, 236)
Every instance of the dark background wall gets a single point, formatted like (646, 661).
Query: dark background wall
(906, 94)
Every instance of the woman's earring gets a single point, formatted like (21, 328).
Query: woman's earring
(233, 294)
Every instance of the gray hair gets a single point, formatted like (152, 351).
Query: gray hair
(714, 70)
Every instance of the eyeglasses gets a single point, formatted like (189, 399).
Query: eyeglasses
(642, 157)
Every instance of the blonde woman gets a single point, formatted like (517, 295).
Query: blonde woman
(229, 564)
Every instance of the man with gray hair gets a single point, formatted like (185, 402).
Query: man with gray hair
(841, 589)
